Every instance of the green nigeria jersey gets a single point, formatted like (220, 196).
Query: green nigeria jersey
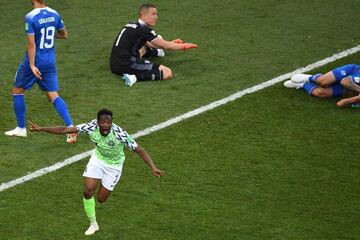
(110, 148)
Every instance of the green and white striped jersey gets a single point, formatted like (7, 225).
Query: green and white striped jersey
(110, 148)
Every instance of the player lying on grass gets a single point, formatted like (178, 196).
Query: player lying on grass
(105, 165)
(136, 41)
(341, 82)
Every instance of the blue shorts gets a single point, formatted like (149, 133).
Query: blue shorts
(337, 90)
(349, 70)
(25, 78)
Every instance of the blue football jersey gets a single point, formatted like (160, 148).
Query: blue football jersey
(43, 23)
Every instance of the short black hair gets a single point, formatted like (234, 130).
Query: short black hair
(103, 112)
(145, 6)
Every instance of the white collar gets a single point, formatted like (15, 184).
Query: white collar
(141, 22)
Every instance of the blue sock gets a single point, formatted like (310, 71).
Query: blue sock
(19, 109)
(309, 87)
(314, 77)
(63, 111)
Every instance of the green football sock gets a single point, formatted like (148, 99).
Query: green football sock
(89, 206)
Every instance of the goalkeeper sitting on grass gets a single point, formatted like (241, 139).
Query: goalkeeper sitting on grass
(136, 41)
(105, 165)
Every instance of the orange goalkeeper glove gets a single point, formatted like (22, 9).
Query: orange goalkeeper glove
(186, 46)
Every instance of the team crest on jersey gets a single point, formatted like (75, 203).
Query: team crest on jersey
(26, 26)
(111, 143)
(153, 32)
(343, 72)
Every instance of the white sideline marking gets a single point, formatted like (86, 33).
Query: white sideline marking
(184, 116)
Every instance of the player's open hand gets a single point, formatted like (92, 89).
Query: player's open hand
(178, 41)
(186, 46)
(36, 72)
(157, 172)
(34, 127)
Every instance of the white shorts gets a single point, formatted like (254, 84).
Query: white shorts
(108, 174)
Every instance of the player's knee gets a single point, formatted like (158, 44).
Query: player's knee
(318, 92)
(101, 199)
(321, 82)
(324, 92)
(325, 80)
(167, 73)
(16, 90)
(52, 96)
(88, 193)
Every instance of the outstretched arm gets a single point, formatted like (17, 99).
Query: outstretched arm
(345, 102)
(176, 44)
(147, 159)
(55, 130)
(177, 40)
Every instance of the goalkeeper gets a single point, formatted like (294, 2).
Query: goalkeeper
(105, 165)
(136, 41)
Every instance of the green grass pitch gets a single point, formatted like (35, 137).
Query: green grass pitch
(275, 164)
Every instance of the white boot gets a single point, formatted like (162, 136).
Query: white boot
(94, 227)
(300, 78)
(18, 132)
(291, 84)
